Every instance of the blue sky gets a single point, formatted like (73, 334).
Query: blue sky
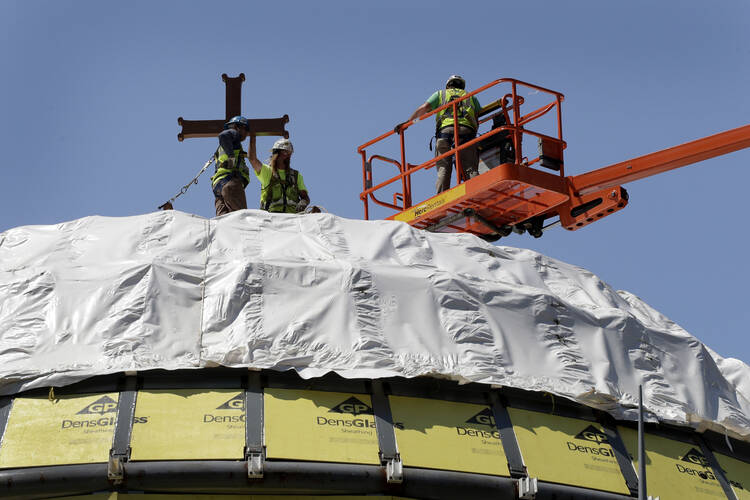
(91, 91)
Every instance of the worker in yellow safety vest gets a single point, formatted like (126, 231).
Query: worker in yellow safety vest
(467, 112)
(282, 188)
(232, 173)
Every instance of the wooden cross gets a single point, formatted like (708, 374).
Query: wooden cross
(212, 128)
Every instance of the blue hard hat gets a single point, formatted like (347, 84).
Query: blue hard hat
(237, 119)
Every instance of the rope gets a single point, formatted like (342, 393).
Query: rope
(311, 209)
(168, 204)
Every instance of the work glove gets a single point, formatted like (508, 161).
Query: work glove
(301, 206)
(230, 163)
(398, 127)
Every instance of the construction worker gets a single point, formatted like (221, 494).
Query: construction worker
(232, 173)
(282, 188)
(467, 112)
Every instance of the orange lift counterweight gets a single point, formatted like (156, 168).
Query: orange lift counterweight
(514, 194)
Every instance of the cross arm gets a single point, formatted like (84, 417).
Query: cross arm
(212, 128)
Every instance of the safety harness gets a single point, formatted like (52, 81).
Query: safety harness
(281, 195)
(224, 174)
(465, 112)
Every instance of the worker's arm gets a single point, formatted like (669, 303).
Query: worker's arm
(304, 198)
(304, 201)
(252, 156)
(422, 110)
(226, 142)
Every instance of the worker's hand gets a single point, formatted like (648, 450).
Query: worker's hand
(230, 163)
(302, 205)
(400, 127)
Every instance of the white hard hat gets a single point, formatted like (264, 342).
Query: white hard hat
(284, 144)
(457, 81)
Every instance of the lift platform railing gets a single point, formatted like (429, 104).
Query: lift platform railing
(515, 126)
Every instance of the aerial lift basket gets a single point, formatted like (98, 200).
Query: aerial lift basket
(516, 192)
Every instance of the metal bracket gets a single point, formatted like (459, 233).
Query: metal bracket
(716, 468)
(255, 465)
(254, 449)
(507, 437)
(620, 452)
(389, 455)
(527, 488)
(115, 471)
(5, 405)
(120, 451)
(394, 470)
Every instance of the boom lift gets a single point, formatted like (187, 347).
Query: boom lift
(512, 192)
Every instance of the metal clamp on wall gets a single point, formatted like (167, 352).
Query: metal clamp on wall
(120, 451)
(527, 488)
(255, 455)
(389, 456)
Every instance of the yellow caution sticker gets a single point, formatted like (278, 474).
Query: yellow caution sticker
(674, 470)
(448, 436)
(737, 473)
(567, 451)
(67, 430)
(189, 424)
(431, 204)
(320, 426)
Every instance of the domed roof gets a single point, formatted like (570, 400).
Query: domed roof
(320, 293)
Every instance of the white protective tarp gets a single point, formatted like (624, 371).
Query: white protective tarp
(319, 293)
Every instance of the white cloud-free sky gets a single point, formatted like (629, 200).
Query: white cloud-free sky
(91, 91)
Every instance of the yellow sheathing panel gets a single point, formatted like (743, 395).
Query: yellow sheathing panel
(69, 430)
(189, 424)
(738, 474)
(567, 451)
(320, 426)
(674, 470)
(448, 436)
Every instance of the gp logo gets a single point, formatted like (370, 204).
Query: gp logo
(695, 457)
(236, 403)
(592, 434)
(353, 406)
(484, 417)
(103, 405)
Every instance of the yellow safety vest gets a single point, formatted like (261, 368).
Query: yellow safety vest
(465, 112)
(281, 196)
(240, 167)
